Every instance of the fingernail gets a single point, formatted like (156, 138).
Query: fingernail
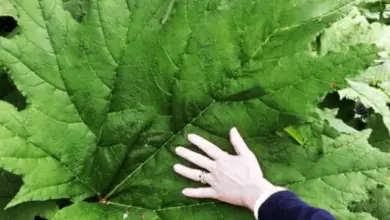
(190, 136)
(184, 191)
(177, 149)
(176, 167)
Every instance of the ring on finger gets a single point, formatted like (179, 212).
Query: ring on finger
(202, 177)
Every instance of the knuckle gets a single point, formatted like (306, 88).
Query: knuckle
(213, 166)
(224, 153)
(211, 179)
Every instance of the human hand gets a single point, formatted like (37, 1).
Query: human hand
(235, 179)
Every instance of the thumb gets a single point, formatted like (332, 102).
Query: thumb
(238, 143)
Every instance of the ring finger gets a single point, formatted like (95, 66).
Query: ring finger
(192, 174)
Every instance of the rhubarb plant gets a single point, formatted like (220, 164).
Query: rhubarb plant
(112, 87)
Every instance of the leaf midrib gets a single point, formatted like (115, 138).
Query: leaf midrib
(157, 151)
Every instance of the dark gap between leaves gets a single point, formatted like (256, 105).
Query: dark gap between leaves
(93, 199)
(64, 203)
(9, 93)
(8, 26)
(360, 118)
(350, 112)
(315, 46)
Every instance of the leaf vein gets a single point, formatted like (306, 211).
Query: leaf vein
(157, 151)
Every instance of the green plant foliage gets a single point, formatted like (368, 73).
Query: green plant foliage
(380, 137)
(7, 19)
(377, 203)
(9, 93)
(9, 187)
(78, 8)
(112, 93)
(370, 88)
(7, 9)
(376, 10)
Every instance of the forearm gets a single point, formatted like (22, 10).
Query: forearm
(286, 205)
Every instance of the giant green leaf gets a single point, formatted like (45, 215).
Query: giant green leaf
(342, 180)
(111, 95)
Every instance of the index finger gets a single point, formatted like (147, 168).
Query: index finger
(206, 146)
(238, 143)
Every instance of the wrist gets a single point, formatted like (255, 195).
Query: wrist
(261, 189)
(265, 195)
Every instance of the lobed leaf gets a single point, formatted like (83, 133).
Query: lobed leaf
(110, 96)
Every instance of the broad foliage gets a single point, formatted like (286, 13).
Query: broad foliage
(114, 86)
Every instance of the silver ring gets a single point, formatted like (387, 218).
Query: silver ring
(201, 177)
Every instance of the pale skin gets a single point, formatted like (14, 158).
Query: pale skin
(235, 179)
